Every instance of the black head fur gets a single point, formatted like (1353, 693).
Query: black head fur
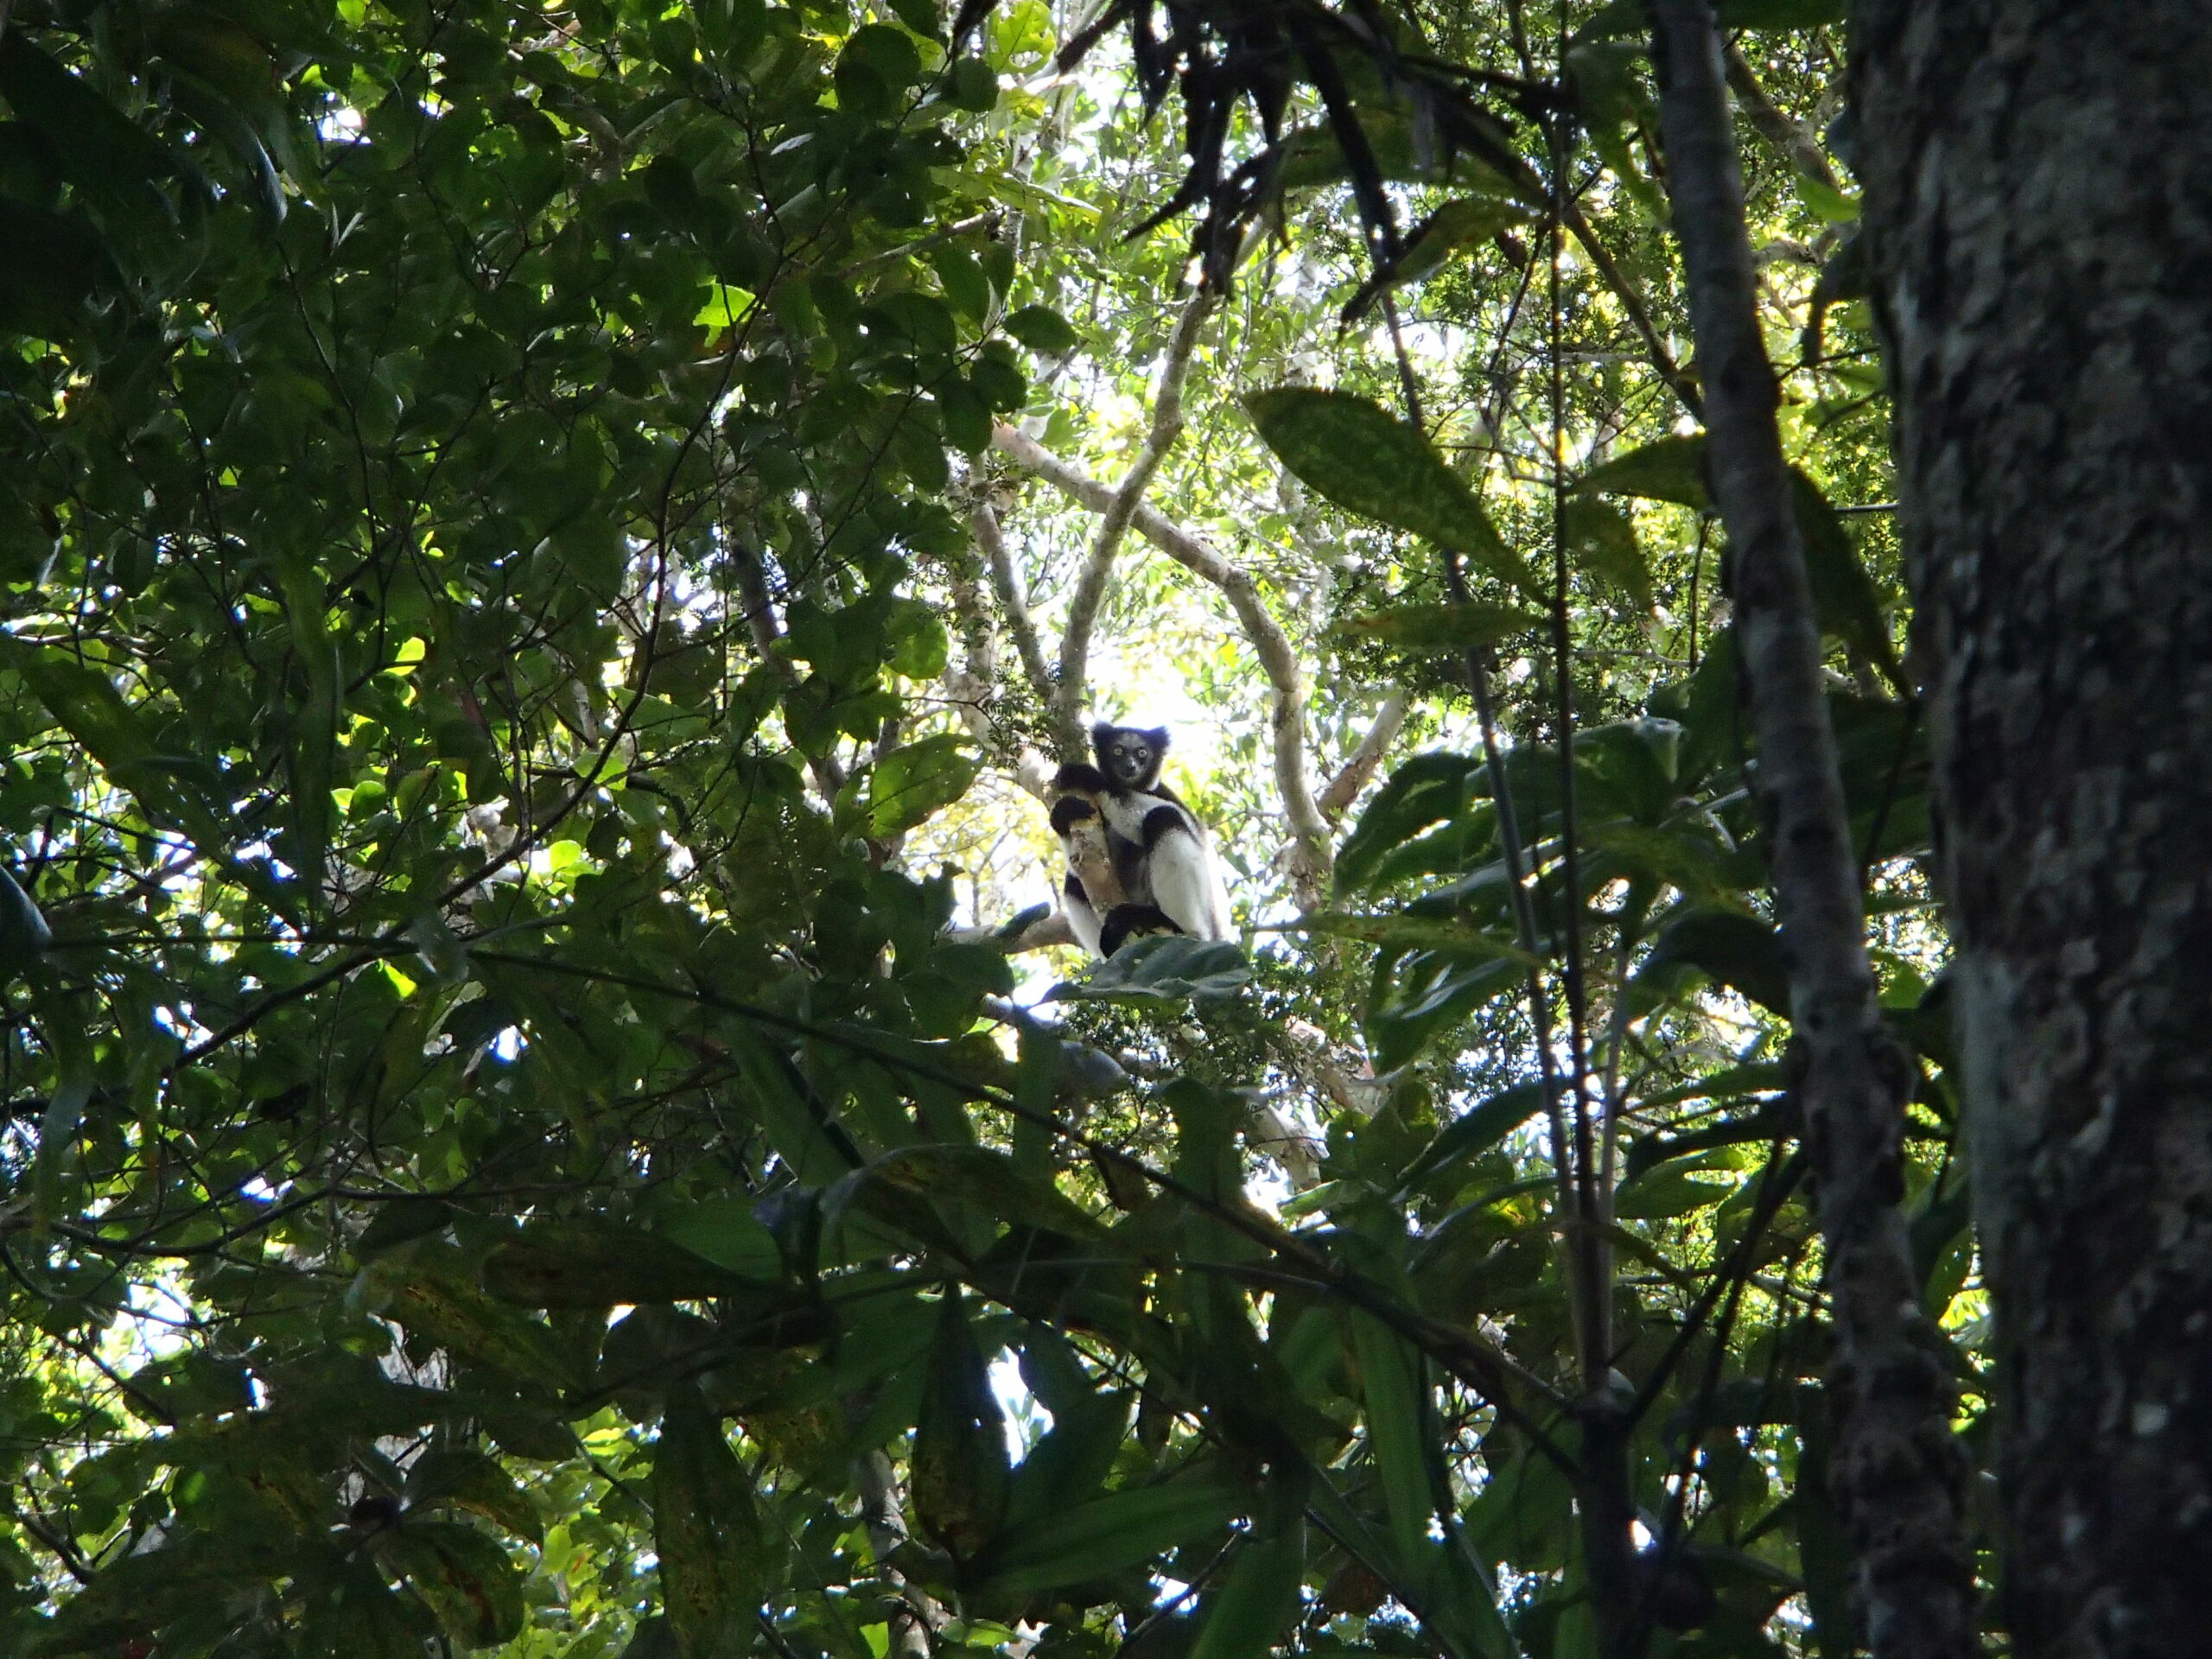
(1129, 755)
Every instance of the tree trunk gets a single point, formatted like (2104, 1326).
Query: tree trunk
(2039, 179)
(1895, 1464)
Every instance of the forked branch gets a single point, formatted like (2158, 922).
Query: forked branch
(1120, 507)
(1309, 854)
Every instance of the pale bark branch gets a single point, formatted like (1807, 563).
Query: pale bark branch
(1122, 505)
(971, 685)
(1310, 851)
(1042, 934)
(1897, 1468)
(1273, 1134)
(1344, 789)
(918, 1615)
(1776, 125)
(1014, 603)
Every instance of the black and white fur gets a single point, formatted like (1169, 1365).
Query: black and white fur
(1160, 851)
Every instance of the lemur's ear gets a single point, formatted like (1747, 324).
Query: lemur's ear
(1159, 736)
(1102, 732)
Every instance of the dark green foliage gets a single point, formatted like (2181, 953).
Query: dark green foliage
(501, 1149)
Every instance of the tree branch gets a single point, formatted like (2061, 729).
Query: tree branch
(1344, 789)
(1121, 507)
(1684, 384)
(1014, 603)
(1042, 934)
(1775, 125)
(1310, 852)
(1897, 1469)
(970, 686)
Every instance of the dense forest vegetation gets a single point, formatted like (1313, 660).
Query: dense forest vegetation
(550, 554)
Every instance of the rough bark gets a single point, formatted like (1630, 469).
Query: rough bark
(2038, 189)
(1897, 1466)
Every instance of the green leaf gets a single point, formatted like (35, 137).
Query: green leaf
(1419, 996)
(401, 1220)
(62, 1030)
(985, 1177)
(1261, 1600)
(1122, 1530)
(1445, 934)
(1171, 968)
(101, 151)
(1667, 1191)
(914, 781)
(1042, 329)
(975, 85)
(1457, 224)
(1369, 462)
(1739, 952)
(113, 733)
(1396, 1442)
(593, 1264)
(458, 1477)
(1601, 540)
(1770, 1120)
(1672, 469)
(1830, 1564)
(315, 728)
(23, 931)
(1427, 790)
(1475, 1132)
(1070, 1464)
(725, 1232)
(718, 1553)
(1442, 628)
(1844, 596)
(960, 1476)
(965, 415)
(145, 1593)
(435, 1301)
(463, 1576)
(82, 699)
(1826, 201)
(965, 284)
(916, 635)
(890, 52)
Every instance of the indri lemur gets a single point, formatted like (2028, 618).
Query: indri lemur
(1158, 848)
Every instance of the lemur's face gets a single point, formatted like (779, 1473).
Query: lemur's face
(1131, 758)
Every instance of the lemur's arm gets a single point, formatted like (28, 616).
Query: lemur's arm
(1078, 776)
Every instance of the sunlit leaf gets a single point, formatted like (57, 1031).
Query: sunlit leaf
(1370, 463)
